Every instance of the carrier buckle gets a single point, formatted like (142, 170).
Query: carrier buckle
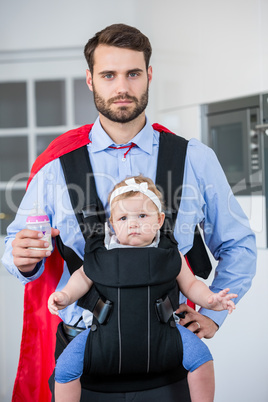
(164, 309)
(102, 310)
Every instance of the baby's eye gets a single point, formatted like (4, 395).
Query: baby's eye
(123, 218)
(142, 215)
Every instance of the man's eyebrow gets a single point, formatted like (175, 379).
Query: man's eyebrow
(133, 70)
(104, 72)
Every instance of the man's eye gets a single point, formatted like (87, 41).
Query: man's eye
(133, 75)
(108, 76)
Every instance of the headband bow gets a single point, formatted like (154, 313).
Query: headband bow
(131, 185)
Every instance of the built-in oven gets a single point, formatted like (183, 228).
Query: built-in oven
(237, 130)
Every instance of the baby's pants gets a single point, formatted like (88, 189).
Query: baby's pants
(70, 364)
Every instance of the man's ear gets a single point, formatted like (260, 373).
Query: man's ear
(150, 74)
(89, 80)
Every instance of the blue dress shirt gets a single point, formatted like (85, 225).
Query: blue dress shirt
(206, 200)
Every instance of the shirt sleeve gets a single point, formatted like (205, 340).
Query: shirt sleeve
(209, 201)
(35, 191)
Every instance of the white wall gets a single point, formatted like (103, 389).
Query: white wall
(203, 50)
(219, 50)
(34, 24)
(11, 314)
(240, 349)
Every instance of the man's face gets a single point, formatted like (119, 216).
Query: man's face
(119, 83)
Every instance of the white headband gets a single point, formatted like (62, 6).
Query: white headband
(131, 185)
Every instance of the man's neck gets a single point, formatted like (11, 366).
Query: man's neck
(122, 133)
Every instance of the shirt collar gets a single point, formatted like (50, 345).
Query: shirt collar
(101, 140)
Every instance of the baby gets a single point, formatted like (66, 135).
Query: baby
(136, 218)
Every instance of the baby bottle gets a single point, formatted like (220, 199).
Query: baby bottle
(38, 220)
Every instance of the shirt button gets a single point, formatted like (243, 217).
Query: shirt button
(123, 159)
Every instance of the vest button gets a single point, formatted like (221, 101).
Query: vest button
(93, 328)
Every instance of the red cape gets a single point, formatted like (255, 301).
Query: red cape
(36, 362)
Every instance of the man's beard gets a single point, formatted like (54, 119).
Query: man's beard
(123, 114)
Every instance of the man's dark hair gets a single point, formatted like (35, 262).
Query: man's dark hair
(118, 35)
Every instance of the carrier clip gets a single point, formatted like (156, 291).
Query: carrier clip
(164, 309)
(102, 310)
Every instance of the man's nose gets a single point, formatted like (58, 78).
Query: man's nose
(122, 85)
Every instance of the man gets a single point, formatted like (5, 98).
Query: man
(123, 143)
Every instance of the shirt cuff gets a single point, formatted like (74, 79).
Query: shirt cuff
(217, 316)
(33, 272)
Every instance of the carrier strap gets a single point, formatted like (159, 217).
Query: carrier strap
(86, 204)
(82, 188)
(169, 175)
(169, 180)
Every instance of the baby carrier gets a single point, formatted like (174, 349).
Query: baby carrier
(133, 342)
(138, 334)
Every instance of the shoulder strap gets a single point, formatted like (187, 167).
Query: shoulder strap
(169, 175)
(169, 179)
(86, 204)
(81, 185)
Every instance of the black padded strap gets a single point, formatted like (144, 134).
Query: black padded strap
(81, 185)
(86, 204)
(73, 261)
(169, 175)
(169, 179)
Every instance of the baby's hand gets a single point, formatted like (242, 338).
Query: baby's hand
(57, 301)
(222, 301)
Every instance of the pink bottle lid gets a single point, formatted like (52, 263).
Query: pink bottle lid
(37, 218)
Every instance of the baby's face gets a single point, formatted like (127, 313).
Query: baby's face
(136, 220)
